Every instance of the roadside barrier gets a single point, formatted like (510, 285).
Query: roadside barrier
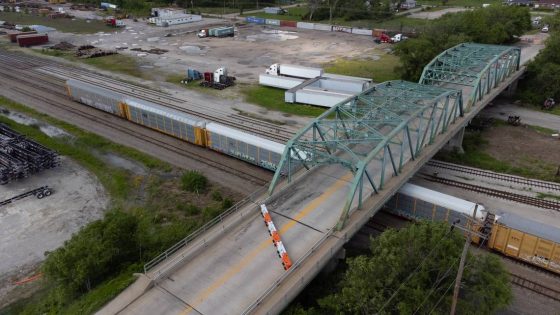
(276, 240)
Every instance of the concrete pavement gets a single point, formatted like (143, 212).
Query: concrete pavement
(502, 109)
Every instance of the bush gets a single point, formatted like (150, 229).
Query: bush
(194, 181)
(100, 249)
(217, 195)
(227, 203)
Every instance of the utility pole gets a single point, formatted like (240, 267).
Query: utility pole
(462, 266)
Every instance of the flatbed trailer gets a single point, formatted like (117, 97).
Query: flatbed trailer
(40, 193)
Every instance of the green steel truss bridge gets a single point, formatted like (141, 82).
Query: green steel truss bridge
(376, 132)
(338, 170)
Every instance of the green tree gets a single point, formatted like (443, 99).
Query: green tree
(413, 270)
(543, 73)
(96, 251)
(492, 25)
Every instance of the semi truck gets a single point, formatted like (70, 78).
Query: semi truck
(218, 80)
(294, 71)
(225, 31)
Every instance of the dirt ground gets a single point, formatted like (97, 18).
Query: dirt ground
(30, 226)
(522, 146)
(250, 52)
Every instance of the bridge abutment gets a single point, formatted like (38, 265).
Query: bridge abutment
(456, 142)
(511, 89)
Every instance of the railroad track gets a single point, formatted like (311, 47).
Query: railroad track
(185, 150)
(248, 124)
(498, 176)
(533, 201)
(535, 287)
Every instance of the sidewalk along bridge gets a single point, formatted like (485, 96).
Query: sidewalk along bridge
(355, 157)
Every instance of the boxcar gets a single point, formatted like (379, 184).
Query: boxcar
(247, 147)
(527, 240)
(415, 202)
(166, 120)
(95, 96)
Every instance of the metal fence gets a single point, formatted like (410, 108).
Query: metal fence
(190, 238)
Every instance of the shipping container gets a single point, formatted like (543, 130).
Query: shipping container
(322, 27)
(288, 23)
(360, 31)
(166, 120)
(531, 241)
(95, 96)
(344, 29)
(256, 20)
(272, 22)
(13, 36)
(224, 31)
(32, 40)
(279, 81)
(305, 25)
(244, 146)
(377, 32)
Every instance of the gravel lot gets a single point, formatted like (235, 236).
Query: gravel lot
(432, 15)
(30, 226)
(249, 53)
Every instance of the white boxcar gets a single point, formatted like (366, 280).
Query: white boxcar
(417, 202)
(166, 120)
(305, 25)
(361, 31)
(278, 81)
(322, 27)
(344, 29)
(244, 146)
(95, 96)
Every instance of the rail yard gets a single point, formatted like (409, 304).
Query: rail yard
(133, 169)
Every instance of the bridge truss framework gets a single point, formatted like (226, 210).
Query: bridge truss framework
(376, 132)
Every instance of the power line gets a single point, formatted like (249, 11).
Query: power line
(414, 272)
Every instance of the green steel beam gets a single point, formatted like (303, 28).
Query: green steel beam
(379, 123)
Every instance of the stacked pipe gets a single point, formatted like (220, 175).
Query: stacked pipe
(280, 249)
(21, 157)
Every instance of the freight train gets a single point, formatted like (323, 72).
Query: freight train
(226, 140)
(507, 233)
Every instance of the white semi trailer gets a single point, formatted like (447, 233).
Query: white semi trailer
(294, 71)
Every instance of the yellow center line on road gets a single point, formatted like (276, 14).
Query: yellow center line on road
(247, 259)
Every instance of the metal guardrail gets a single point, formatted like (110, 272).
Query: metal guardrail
(187, 240)
(296, 265)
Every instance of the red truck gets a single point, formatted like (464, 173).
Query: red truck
(32, 40)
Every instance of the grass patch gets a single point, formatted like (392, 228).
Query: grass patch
(548, 196)
(114, 63)
(79, 26)
(474, 145)
(273, 99)
(543, 130)
(380, 70)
